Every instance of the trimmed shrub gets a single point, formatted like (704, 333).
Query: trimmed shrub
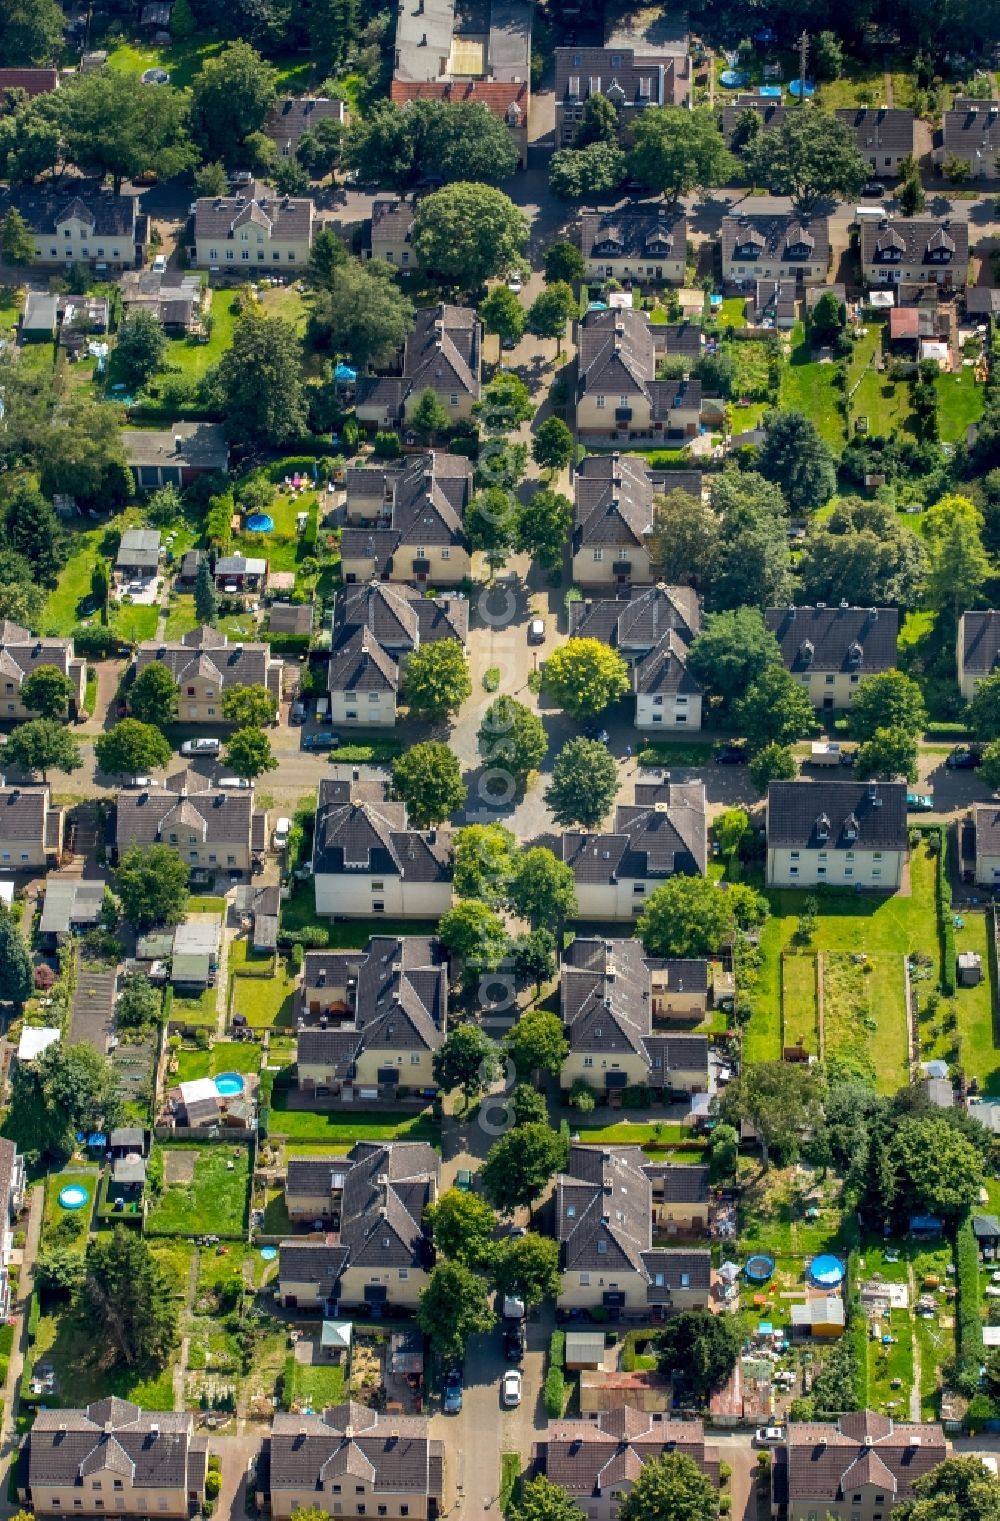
(554, 1393)
(557, 1349)
(968, 1322)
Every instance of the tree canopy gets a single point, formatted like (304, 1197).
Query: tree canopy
(466, 233)
(128, 1300)
(460, 140)
(527, 1268)
(520, 1164)
(248, 753)
(153, 696)
(701, 1348)
(261, 382)
(795, 457)
(543, 889)
(685, 540)
(152, 883)
(453, 1307)
(232, 96)
(131, 748)
(733, 650)
(544, 525)
(47, 691)
(670, 1488)
(69, 1088)
(809, 156)
(685, 916)
(428, 778)
(17, 980)
(862, 552)
(462, 1226)
(483, 858)
(250, 706)
(537, 1043)
(584, 676)
(436, 678)
(476, 934)
(584, 783)
(774, 710)
(43, 744)
(467, 1060)
(887, 700)
(512, 735)
(676, 150)
(781, 1100)
(361, 312)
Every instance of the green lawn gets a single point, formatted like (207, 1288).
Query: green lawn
(316, 1387)
(807, 386)
(978, 1054)
(10, 308)
(224, 1056)
(264, 1001)
(73, 1223)
(668, 753)
(196, 1011)
(732, 312)
(191, 355)
(798, 997)
(348, 934)
(890, 1368)
(133, 624)
(333, 1129)
(62, 610)
(960, 402)
(66, 1343)
(215, 1200)
(206, 905)
(181, 616)
(628, 1132)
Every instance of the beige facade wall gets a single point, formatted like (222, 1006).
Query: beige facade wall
(637, 266)
(394, 250)
(831, 689)
(881, 869)
(76, 240)
(305, 1207)
(285, 1501)
(23, 855)
(988, 870)
(253, 250)
(574, 1294)
(611, 900)
(679, 1217)
(457, 404)
(11, 705)
(864, 1509)
(49, 1500)
(355, 894)
(306, 1296)
(594, 565)
(414, 1068)
(595, 412)
(195, 852)
(404, 1285)
(952, 275)
(752, 269)
(449, 565)
(670, 712)
(594, 1068)
(967, 683)
(355, 708)
(679, 1005)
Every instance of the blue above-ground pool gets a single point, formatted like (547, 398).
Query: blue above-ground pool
(732, 79)
(229, 1084)
(827, 1271)
(260, 522)
(797, 87)
(269, 1253)
(74, 1196)
(769, 92)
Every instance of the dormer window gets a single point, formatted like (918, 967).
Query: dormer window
(807, 651)
(823, 827)
(851, 827)
(573, 86)
(855, 654)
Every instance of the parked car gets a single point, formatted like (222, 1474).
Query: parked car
(451, 1402)
(919, 802)
(239, 783)
(463, 1180)
(514, 284)
(282, 830)
(596, 730)
(964, 758)
(873, 190)
(536, 631)
(142, 781)
(321, 742)
(510, 1392)
(160, 264)
(297, 713)
(764, 1436)
(513, 1344)
(204, 746)
(731, 755)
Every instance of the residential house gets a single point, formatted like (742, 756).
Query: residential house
(296, 115)
(204, 665)
(31, 829)
(883, 136)
(261, 906)
(176, 457)
(30, 82)
(367, 860)
(986, 822)
(252, 228)
(831, 649)
(21, 653)
(442, 354)
(613, 517)
(12, 1181)
(635, 242)
(662, 834)
(681, 1198)
(370, 1021)
(597, 1460)
(72, 904)
(212, 828)
(390, 233)
(682, 988)
(240, 576)
(972, 135)
(174, 300)
(437, 41)
(89, 1462)
(377, 1252)
(387, 1462)
(925, 250)
(864, 1465)
(734, 119)
(603, 1223)
(374, 628)
(785, 247)
(631, 81)
(404, 521)
(104, 231)
(846, 834)
(138, 559)
(617, 1037)
(618, 395)
(507, 100)
(774, 303)
(652, 630)
(978, 649)
(194, 961)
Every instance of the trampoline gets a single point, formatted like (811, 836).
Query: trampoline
(260, 522)
(827, 1271)
(732, 79)
(758, 1268)
(229, 1084)
(797, 87)
(156, 77)
(74, 1196)
(269, 1253)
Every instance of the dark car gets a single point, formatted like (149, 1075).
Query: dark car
(513, 1344)
(731, 755)
(596, 730)
(964, 758)
(873, 189)
(451, 1400)
(321, 742)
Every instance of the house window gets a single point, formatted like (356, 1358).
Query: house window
(213, 253)
(658, 1280)
(291, 257)
(453, 399)
(877, 855)
(446, 554)
(588, 1061)
(336, 1489)
(378, 887)
(230, 255)
(600, 401)
(404, 1273)
(378, 908)
(848, 871)
(211, 713)
(584, 1280)
(598, 556)
(245, 255)
(230, 860)
(794, 855)
(275, 255)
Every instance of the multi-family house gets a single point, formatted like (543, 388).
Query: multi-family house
(774, 303)
(252, 228)
(369, 1022)
(631, 81)
(618, 395)
(604, 1225)
(367, 860)
(662, 834)
(618, 1036)
(972, 135)
(507, 100)
(860, 1466)
(21, 653)
(295, 116)
(405, 521)
(652, 630)
(353, 1461)
(212, 828)
(12, 1180)
(613, 517)
(922, 250)
(390, 234)
(883, 135)
(440, 41)
(375, 1250)
(634, 242)
(374, 628)
(978, 651)
(785, 247)
(204, 665)
(138, 559)
(111, 1457)
(597, 1460)
(176, 457)
(443, 354)
(31, 829)
(734, 118)
(846, 834)
(830, 649)
(104, 231)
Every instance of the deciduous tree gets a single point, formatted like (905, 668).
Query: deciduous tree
(590, 172)
(958, 563)
(16, 240)
(527, 1268)
(429, 418)
(936, 1170)
(140, 347)
(781, 1100)
(35, 533)
(584, 676)
(887, 700)
(512, 735)
(794, 456)
(453, 1307)
(544, 524)
(810, 155)
(733, 650)
(153, 696)
(502, 313)
(984, 709)
(466, 233)
(537, 1043)
(544, 889)
(483, 861)
(888, 753)
(754, 561)
(114, 130)
(564, 261)
(428, 778)
(43, 744)
(491, 523)
(684, 543)
(131, 748)
(670, 1488)
(436, 678)
(467, 1060)
(359, 311)
(152, 883)
(249, 706)
(534, 959)
(675, 151)
(863, 552)
(47, 692)
(17, 979)
(248, 753)
(261, 381)
(552, 445)
(773, 763)
(774, 710)
(520, 1164)
(551, 310)
(139, 1003)
(701, 1348)
(541, 1500)
(476, 935)
(584, 784)
(462, 1225)
(232, 97)
(685, 916)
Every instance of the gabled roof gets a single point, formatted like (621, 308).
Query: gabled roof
(393, 1453)
(399, 999)
(285, 217)
(915, 240)
(636, 625)
(613, 502)
(828, 1461)
(507, 100)
(606, 1007)
(591, 1457)
(108, 216)
(294, 116)
(979, 642)
(186, 445)
(879, 129)
(644, 232)
(359, 831)
(152, 1448)
(22, 652)
(398, 617)
(615, 352)
(444, 352)
(776, 237)
(628, 79)
(986, 817)
(661, 834)
(206, 653)
(846, 639)
(383, 1192)
(146, 816)
(421, 503)
(23, 812)
(824, 815)
(972, 127)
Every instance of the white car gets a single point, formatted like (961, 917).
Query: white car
(510, 1393)
(241, 782)
(203, 746)
(765, 1436)
(160, 264)
(142, 781)
(514, 284)
(536, 631)
(281, 832)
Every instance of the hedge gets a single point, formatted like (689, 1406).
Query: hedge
(557, 1349)
(34, 1316)
(968, 1322)
(374, 752)
(168, 1003)
(945, 920)
(554, 1393)
(287, 644)
(92, 639)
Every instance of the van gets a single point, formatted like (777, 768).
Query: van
(281, 831)
(322, 709)
(239, 782)
(870, 213)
